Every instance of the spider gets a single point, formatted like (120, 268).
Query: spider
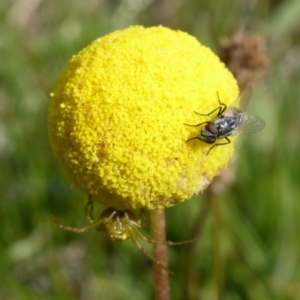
(119, 225)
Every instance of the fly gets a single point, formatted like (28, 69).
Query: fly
(230, 121)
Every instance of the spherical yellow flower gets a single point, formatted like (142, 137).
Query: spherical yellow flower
(117, 115)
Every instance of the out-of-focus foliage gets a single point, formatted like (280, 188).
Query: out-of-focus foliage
(248, 246)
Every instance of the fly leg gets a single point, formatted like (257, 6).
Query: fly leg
(219, 144)
(197, 124)
(198, 138)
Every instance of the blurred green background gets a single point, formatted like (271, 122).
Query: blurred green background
(248, 244)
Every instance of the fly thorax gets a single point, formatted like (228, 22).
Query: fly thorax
(225, 126)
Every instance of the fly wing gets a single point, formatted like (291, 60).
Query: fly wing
(249, 123)
(241, 102)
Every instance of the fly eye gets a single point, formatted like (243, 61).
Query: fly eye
(211, 128)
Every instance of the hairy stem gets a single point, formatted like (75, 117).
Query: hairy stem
(158, 228)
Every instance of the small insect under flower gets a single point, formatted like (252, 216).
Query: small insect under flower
(230, 121)
(119, 225)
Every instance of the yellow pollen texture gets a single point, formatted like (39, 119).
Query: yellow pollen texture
(116, 117)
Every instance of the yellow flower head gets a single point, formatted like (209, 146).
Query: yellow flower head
(117, 115)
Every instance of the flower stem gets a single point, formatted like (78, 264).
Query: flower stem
(158, 226)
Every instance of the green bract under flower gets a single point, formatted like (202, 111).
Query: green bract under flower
(117, 115)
